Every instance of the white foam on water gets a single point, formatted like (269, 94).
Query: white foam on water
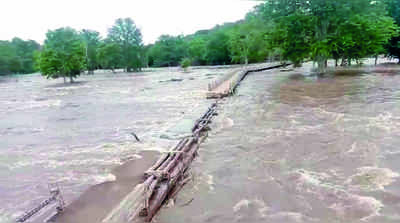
(353, 148)
(26, 105)
(345, 204)
(241, 204)
(290, 217)
(257, 204)
(102, 178)
(71, 177)
(310, 177)
(210, 182)
(385, 121)
(71, 87)
(40, 104)
(54, 164)
(110, 155)
(227, 123)
(6, 217)
(336, 116)
(364, 207)
(363, 149)
(372, 178)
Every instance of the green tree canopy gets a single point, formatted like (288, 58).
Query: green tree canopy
(168, 51)
(110, 55)
(92, 42)
(217, 48)
(197, 50)
(393, 47)
(63, 54)
(128, 37)
(319, 29)
(9, 62)
(17, 56)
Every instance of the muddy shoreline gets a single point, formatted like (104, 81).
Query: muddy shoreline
(99, 200)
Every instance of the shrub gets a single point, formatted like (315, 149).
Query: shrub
(185, 63)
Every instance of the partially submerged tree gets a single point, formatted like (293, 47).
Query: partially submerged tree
(109, 56)
(319, 29)
(128, 37)
(168, 51)
(393, 47)
(197, 50)
(17, 56)
(217, 48)
(185, 64)
(63, 54)
(247, 41)
(92, 41)
(9, 62)
(239, 45)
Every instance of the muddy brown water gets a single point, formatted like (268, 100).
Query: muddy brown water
(288, 147)
(291, 147)
(78, 134)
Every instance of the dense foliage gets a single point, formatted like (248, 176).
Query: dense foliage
(63, 54)
(393, 48)
(128, 38)
(66, 52)
(286, 30)
(17, 56)
(167, 51)
(293, 30)
(185, 63)
(241, 42)
(92, 40)
(320, 30)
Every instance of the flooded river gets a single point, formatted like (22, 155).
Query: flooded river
(291, 147)
(76, 134)
(288, 147)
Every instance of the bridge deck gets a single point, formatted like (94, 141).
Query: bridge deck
(224, 86)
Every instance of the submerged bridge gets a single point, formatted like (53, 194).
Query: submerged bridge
(169, 174)
(227, 84)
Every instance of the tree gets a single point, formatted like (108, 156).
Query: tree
(292, 36)
(63, 54)
(168, 51)
(24, 51)
(197, 50)
(217, 48)
(393, 47)
(319, 29)
(239, 45)
(91, 40)
(110, 56)
(185, 63)
(17, 56)
(247, 41)
(8, 58)
(128, 37)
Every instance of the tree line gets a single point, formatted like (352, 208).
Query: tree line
(342, 30)
(17, 56)
(286, 30)
(292, 30)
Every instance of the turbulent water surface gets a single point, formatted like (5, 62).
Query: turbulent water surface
(288, 147)
(292, 147)
(75, 134)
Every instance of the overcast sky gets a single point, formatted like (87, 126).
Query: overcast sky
(30, 19)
